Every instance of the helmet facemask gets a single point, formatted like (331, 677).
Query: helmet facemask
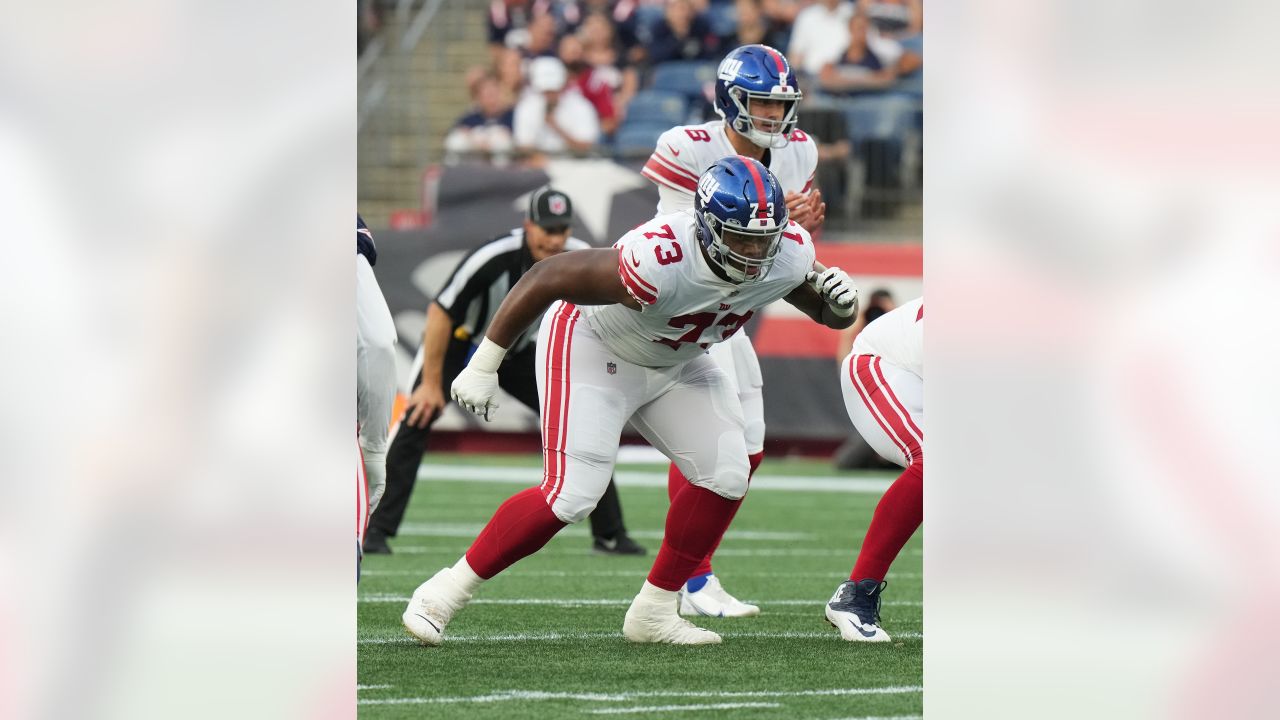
(760, 233)
(752, 126)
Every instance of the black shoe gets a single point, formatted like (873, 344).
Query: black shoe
(375, 543)
(854, 610)
(620, 545)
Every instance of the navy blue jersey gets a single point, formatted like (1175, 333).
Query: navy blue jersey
(364, 242)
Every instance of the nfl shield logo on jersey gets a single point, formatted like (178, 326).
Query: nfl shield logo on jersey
(611, 368)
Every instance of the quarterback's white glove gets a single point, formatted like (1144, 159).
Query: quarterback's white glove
(476, 385)
(375, 473)
(837, 289)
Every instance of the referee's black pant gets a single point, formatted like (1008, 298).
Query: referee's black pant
(516, 376)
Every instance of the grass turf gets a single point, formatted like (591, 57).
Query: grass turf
(507, 655)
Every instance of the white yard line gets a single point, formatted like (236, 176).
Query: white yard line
(526, 695)
(679, 708)
(630, 478)
(372, 687)
(470, 530)
(588, 602)
(546, 636)
(848, 553)
(631, 573)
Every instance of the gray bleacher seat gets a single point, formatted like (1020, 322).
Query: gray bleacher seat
(657, 107)
(687, 77)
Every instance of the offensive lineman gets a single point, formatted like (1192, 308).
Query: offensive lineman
(756, 97)
(375, 382)
(882, 379)
(634, 350)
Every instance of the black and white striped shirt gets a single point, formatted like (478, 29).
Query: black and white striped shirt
(479, 283)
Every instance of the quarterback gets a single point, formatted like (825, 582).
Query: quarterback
(756, 97)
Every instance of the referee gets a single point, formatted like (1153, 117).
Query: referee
(460, 312)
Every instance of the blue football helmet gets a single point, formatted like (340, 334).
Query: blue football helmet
(739, 201)
(757, 71)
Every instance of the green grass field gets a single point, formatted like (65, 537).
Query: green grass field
(543, 639)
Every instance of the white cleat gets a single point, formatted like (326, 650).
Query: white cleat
(713, 601)
(648, 621)
(432, 606)
(854, 610)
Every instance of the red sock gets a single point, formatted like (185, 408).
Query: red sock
(896, 518)
(704, 567)
(696, 520)
(519, 528)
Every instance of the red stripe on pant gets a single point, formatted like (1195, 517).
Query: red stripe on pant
(916, 432)
(873, 396)
(555, 421)
(550, 405)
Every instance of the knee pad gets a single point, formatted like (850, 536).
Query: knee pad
(729, 478)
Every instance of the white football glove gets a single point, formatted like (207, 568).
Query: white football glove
(375, 473)
(476, 385)
(837, 289)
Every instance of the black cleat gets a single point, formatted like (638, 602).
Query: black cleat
(854, 610)
(620, 545)
(375, 543)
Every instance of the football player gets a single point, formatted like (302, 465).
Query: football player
(882, 379)
(623, 337)
(375, 382)
(756, 97)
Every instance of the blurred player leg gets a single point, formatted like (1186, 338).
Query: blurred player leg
(886, 405)
(703, 594)
(375, 375)
(408, 445)
(362, 505)
(698, 424)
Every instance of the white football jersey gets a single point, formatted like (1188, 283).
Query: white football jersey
(686, 306)
(896, 336)
(685, 152)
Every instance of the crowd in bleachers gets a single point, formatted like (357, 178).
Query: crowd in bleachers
(608, 76)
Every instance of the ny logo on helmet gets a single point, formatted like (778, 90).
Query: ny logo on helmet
(729, 68)
(707, 187)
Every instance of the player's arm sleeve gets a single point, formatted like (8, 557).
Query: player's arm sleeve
(639, 267)
(375, 360)
(668, 170)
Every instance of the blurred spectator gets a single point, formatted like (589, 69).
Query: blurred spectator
(487, 129)
(829, 131)
(752, 27)
(551, 118)
(682, 35)
(878, 303)
(781, 15)
(590, 82)
(541, 41)
(871, 62)
(604, 51)
(509, 67)
(820, 35)
(508, 20)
